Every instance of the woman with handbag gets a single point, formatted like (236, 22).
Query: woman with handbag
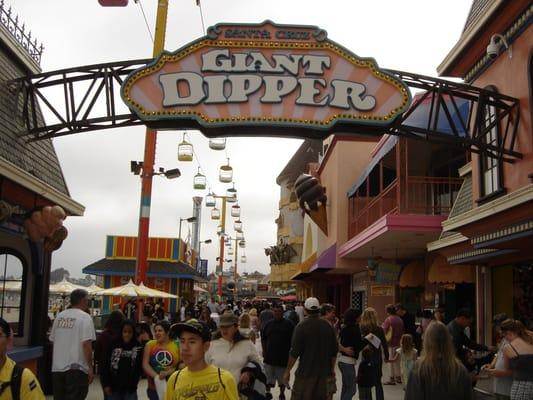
(394, 329)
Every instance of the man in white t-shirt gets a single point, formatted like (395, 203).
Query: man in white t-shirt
(72, 362)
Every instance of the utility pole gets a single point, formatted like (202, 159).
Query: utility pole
(148, 162)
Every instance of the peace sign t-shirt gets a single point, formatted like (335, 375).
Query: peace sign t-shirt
(162, 357)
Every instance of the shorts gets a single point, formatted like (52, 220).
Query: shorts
(331, 385)
(309, 388)
(274, 373)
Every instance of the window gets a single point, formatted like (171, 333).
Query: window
(490, 168)
(12, 291)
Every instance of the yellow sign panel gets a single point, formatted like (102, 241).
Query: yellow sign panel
(382, 290)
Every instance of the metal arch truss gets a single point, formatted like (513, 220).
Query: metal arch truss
(472, 132)
(91, 101)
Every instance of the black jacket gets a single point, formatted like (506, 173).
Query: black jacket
(350, 336)
(122, 368)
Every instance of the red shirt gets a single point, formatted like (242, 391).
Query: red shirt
(397, 329)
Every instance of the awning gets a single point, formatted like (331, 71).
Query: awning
(197, 288)
(388, 146)
(156, 269)
(458, 109)
(327, 259)
(304, 268)
(412, 275)
(442, 272)
(422, 110)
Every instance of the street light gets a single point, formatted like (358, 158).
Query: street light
(207, 241)
(190, 219)
(137, 168)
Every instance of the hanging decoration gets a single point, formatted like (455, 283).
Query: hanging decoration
(225, 173)
(219, 230)
(231, 194)
(237, 225)
(243, 259)
(239, 235)
(217, 143)
(242, 243)
(185, 150)
(215, 213)
(199, 181)
(210, 200)
(236, 211)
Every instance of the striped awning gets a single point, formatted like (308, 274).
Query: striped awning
(413, 275)
(441, 271)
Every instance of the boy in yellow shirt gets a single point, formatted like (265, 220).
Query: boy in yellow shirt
(28, 386)
(198, 379)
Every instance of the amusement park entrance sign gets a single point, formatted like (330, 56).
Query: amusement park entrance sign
(265, 79)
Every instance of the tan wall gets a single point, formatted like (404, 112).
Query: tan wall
(510, 77)
(344, 166)
(282, 272)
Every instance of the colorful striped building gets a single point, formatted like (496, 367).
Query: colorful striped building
(170, 268)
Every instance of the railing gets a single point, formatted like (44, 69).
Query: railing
(19, 33)
(424, 195)
(364, 211)
(431, 195)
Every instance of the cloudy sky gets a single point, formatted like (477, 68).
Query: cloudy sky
(404, 35)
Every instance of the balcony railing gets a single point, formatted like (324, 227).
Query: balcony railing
(424, 195)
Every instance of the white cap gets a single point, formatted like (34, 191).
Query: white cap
(312, 303)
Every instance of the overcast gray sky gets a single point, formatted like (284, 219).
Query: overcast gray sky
(406, 35)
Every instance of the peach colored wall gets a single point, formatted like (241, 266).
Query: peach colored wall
(344, 166)
(510, 77)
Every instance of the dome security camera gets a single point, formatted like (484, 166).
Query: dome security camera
(496, 43)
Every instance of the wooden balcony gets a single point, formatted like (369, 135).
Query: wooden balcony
(422, 195)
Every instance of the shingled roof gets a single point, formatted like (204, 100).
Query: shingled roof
(158, 269)
(477, 10)
(36, 158)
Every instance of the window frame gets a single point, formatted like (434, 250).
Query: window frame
(493, 136)
(22, 307)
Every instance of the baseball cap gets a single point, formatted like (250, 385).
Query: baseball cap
(312, 303)
(228, 319)
(193, 326)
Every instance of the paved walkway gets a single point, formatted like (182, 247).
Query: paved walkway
(391, 392)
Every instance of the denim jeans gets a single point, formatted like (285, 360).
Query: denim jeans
(152, 394)
(349, 386)
(365, 393)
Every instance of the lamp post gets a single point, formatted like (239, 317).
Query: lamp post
(207, 241)
(236, 255)
(220, 265)
(148, 162)
(190, 219)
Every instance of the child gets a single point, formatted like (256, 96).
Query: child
(367, 372)
(407, 354)
(244, 327)
(123, 365)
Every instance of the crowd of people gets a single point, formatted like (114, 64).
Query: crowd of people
(243, 350)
